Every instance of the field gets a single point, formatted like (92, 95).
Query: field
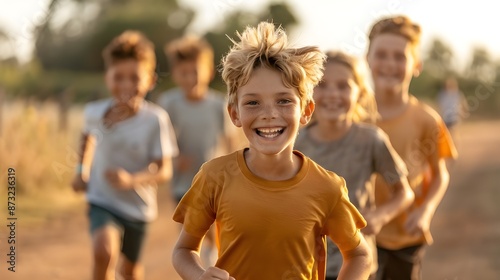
(51, 231)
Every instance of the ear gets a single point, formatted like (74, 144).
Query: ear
(234, 115)
(154, 79)
(419, 65)
(307, 113)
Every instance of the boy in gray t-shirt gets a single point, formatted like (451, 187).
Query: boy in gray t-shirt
(127, 146)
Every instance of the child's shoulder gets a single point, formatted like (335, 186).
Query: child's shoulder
(153, 110)
(423, 111)
(97, 107)
(318, 173)
(170, 95)
(368, 130)
(227, 163)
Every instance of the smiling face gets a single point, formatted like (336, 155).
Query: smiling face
(336, 95)
(129, 81)
(269, 112)
(193, 76)
(392, 62)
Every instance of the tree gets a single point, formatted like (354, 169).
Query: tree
(278, 13)
(439, 59)
(77, 44)
(481, 67)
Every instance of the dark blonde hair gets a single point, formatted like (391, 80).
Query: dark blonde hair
(267, 46)
(398, 25)
(366, 108)
(189, 48)
(130, 44)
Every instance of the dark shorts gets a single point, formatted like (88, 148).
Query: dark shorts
(402, 264)
(133, 232)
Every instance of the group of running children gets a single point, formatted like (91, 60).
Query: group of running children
(334, 181)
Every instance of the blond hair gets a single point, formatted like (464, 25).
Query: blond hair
(130, 44)
(398, 25)
(267, 46)
(189, 48)
(365, 108)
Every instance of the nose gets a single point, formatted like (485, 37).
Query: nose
(269, 112)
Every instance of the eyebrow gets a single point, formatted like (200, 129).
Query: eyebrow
(280, 93)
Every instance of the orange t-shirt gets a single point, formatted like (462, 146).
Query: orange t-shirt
(418, 135)
(270, 229)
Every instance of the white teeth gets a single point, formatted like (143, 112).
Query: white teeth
(269, 132)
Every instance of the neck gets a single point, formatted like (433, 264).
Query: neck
(391, 105)
(276, 167)
(197, 94)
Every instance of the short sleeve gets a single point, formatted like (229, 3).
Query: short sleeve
(387, 162)
(196, 208)
(437, 141)
(87, 116)
(163, 142)
(344, 222)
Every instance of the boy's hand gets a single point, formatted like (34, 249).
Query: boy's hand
(418, 221)
(215, 273)
(120, 178)
(78, 184)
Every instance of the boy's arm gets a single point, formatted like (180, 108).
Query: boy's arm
(80, 179)
(186, 260)
(402, 197)
(158, 171)
(356, 262)
(420, 219)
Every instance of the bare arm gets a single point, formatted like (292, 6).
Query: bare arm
(186, 260)
(357, 262)
(80, 179)
(402, 197)
(420, 219)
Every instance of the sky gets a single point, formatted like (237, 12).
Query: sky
(333, 24)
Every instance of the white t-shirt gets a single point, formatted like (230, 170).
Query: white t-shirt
(131, 144)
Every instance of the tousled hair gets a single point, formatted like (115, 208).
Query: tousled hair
(130, 44)
(189, 48)
(267, 46)
(398, 25)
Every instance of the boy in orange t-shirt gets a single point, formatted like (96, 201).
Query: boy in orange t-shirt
(419, 136)
(272, 206)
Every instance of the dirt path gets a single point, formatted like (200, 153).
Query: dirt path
(466, 227)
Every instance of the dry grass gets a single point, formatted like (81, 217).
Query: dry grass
(42, 155)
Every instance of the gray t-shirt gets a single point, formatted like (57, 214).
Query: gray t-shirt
(200, 127)
(131, 144)
(363, 151)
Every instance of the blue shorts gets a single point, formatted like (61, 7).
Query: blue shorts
(133, 232)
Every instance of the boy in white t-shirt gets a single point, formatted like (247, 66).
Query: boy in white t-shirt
(134, 143)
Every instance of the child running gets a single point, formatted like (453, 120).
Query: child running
(339, 141)
(272, 206)
(420, 137)
(199, 117)
(134, 143)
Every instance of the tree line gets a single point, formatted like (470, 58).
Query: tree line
(67, 60)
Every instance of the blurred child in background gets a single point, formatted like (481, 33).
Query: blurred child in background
(134, 144)
(199, 117)
(420, 137)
